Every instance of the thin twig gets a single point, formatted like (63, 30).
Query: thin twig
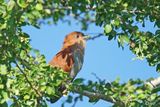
(94, 37)
(88, 8)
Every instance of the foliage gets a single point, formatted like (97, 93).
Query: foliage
(134, 93)
(27, 80)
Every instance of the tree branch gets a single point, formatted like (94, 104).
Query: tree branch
(154, 84)
(97, 95)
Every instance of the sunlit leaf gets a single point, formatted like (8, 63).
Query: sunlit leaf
(50, 90)
(3, 69)
(39, 6)
(108, 28)
(10, 5)
(26, 97)
(22, 3)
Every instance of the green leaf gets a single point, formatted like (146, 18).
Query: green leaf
(4, 104)
(50, 90)
(78, 81)
(117, 80)
(89, 1)
(9, 83)
(139, 91)
(118, 1)
(3, 26)
(1, 86)
(29, 103)
(43, 88)
(26, 97)
(125, 4)
(10, 5)
(110, 37)
(16, 91)
(22, 3)
(158, 68)
(30, 1)
(116, 22)
(69, 99)
(48, 11)
(3, 70)
(153, 96)
(145, 46)
(22, 54)
(5, 95)
(42, 1)
(125, 38)
(108, 28)
(39, 6)
(141, 96)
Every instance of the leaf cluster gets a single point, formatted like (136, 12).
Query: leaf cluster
(26, 79)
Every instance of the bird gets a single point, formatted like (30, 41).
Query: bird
(70, 58)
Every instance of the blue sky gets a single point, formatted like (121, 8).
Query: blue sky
(102, 57)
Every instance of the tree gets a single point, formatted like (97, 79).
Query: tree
(27, 80)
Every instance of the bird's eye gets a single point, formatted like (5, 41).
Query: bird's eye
(77, 36)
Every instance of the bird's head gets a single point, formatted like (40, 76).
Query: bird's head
(74, 38)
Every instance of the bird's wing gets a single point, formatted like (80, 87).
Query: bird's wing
(63, 59)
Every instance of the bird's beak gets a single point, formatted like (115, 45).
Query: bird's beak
(86, 37)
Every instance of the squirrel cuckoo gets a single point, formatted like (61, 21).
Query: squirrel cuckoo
(70, 57)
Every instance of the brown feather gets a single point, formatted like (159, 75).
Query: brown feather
(63, 59)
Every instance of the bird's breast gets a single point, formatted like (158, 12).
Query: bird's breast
(78, 56)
